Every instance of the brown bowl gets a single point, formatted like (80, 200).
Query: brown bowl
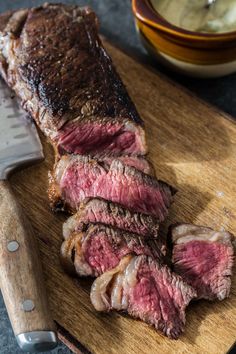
(193, 53)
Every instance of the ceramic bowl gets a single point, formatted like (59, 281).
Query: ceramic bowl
(192, 53)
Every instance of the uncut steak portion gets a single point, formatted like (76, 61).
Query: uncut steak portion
(97, 210)
(76, 177)
(52, 57)
(147, 290)
(94, 135)
(100, 248)
(204, 258)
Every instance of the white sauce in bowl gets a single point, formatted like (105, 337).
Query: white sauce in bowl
(194, 15)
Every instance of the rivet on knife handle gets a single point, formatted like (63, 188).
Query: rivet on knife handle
(21, 278)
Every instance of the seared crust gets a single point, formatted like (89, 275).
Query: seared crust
(92, 210)
(59, 67)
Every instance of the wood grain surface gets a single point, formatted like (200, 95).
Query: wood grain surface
(21, 276)
(193, 147)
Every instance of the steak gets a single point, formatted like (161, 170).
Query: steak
(94, 135)
(139, 162)
(147, 290)
(77, 177)
(53, 59)
(204, 258)
(97, 210)
(100, 248)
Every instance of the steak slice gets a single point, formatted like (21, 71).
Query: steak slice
(204, 258)
(54, 60)
(100, 248)
(147, 290)
(139, 162)
(94, 135)
(77, 177)
(97, 210)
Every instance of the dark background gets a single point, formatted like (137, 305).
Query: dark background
(117, 24)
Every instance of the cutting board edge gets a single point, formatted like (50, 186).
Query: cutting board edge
(70, 341)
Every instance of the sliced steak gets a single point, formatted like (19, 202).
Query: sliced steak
(54, 60)
(97, 210)
(95, 135)
(76, 177)
(100, 248)
(204, 258)
(139, 162)
(147, 290)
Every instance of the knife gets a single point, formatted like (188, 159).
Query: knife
(21, 279)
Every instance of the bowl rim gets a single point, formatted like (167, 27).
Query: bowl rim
(145, 12)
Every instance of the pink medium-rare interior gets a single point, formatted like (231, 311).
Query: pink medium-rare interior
(81, 180)
(206, 266)
(146, 290)
(99, 254)
(158, 299)
(102, 254)
(96, 137)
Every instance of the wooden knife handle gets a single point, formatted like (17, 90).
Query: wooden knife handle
(21, 278)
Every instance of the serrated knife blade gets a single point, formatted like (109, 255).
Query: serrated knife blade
(21, 279)
(19, 140)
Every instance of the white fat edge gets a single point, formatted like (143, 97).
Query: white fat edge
(81, 266)
(210, 236)
(6, 43)
(130, 126)
(117, 292)
(69, 226)
(61, 168)
(98, 294)
(130, 279)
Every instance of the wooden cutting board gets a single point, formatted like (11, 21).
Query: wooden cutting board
(193, 147)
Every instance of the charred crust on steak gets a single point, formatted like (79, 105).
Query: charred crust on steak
(98, 210)
(49, 56)
(56, 202)
(67, 256)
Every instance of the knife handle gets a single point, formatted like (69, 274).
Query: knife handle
(21, 277)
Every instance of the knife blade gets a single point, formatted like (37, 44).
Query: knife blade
(21, 279)
(19, 141)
